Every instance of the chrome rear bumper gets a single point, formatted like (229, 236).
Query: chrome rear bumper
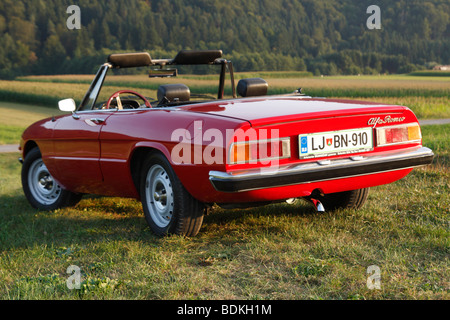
(254, 179)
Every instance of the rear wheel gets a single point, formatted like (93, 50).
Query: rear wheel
(40, 189)
(353, 199)
(168, 207)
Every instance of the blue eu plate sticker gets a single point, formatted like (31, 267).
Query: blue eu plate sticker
(304, 145)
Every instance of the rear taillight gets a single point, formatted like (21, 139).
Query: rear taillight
(259, 151)
(398, 134)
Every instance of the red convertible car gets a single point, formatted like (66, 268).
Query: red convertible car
(180, 153)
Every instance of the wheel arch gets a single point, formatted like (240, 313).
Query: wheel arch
(137, 157)
(28, 146)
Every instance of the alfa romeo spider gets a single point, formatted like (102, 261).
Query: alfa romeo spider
(180, 153)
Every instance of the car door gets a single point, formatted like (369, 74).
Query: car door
(77, 150)
(117, 139)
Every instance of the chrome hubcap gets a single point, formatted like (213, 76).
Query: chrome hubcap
(42, 186)
(159, 194)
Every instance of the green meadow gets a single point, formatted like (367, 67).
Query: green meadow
(427, 96)
(280, 251)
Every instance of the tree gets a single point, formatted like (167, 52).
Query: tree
(328, 36)
(53, 55)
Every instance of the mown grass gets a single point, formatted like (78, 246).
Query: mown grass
(437, 139)
(275, 252)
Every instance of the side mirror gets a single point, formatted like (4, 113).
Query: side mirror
(67, 105)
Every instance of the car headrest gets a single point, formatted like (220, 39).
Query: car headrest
(173, 92)
(252, 87)
(197, 56)
(130, 60)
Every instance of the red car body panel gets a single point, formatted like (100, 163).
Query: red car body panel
(263, 110)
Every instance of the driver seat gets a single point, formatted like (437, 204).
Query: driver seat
(175, 92)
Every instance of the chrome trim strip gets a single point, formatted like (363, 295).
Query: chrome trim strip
(399, 143)
(254, 179)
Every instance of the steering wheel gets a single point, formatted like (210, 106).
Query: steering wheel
(119, 103)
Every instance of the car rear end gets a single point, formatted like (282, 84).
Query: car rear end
(318, 147)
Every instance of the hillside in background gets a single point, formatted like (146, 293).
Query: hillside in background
(322, 36)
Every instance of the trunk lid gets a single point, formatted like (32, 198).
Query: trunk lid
(262, 111)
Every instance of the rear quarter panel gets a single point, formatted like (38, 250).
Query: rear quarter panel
(170, 131)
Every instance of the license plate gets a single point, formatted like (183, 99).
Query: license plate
(327, 144)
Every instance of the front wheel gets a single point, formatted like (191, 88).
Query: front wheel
(168, 207)
(40, 189)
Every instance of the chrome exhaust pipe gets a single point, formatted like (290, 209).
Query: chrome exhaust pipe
(318, 205)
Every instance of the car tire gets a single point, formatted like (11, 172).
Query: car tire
(353, 199)
(41, 190)
(168, 207)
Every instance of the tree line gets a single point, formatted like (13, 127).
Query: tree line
(321, 36)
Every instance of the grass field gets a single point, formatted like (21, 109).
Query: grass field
(427, 96)
(275, 252)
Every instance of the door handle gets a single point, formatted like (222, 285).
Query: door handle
(97, 120)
